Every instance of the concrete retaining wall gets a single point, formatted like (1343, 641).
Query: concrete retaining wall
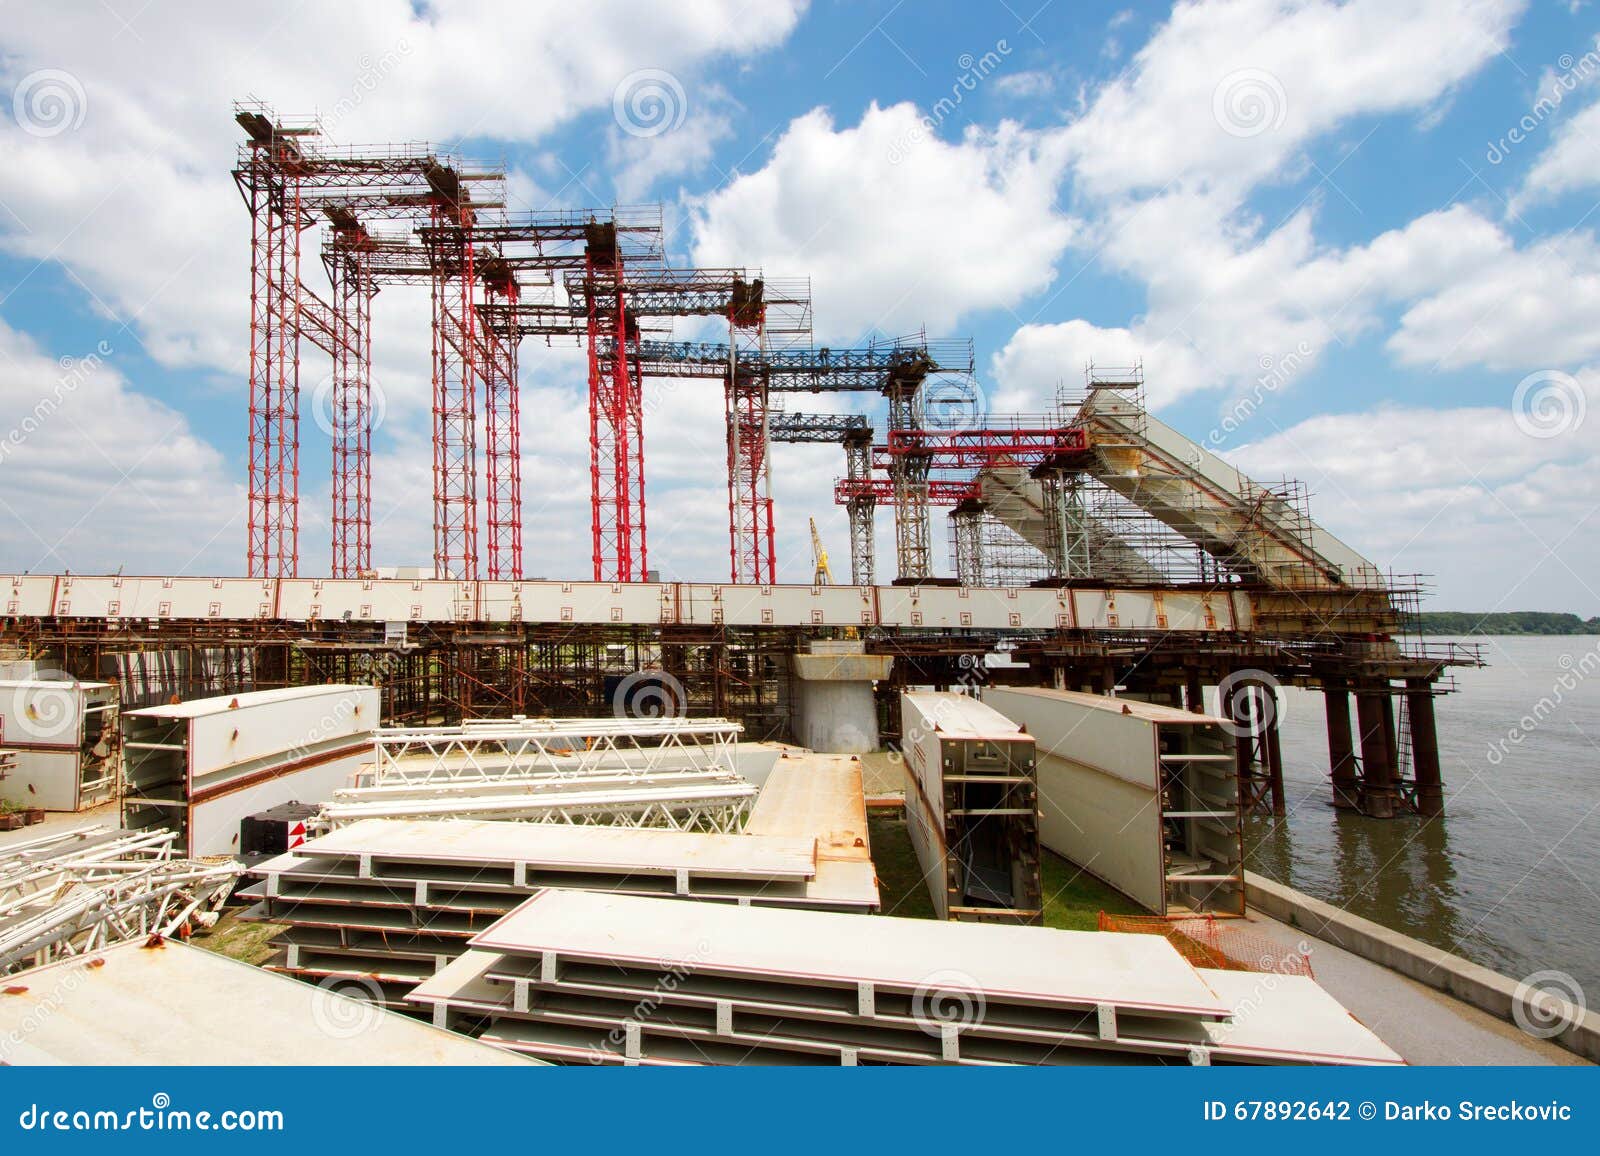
(1461, 978)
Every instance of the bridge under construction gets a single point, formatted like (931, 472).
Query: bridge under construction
(1094, 547)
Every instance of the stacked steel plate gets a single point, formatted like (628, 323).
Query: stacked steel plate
(585, 977)
(390, 901)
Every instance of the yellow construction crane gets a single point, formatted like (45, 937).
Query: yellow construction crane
(820, 574)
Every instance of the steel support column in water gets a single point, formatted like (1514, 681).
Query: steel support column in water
(1424, 747)
(1379, 793)
(1341, 751)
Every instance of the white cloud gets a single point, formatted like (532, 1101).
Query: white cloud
(639, 161)
(1224, 97)
(1225, 92)
(1024, 85)
(1524, 309)
(94, 476)
(1425, 491)
(1228, 305)
(157, 151)
(896, 227)
(1570, 164)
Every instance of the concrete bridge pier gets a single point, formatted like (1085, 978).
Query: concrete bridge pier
(1341, 750)
(835, 708)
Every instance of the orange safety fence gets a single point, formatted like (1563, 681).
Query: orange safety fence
(1206, 941)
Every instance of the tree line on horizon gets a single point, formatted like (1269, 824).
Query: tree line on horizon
(1506, 622)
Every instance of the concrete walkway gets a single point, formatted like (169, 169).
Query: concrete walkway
(1425, 1026)
(107, 814)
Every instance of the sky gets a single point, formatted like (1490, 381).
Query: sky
(1351, 243)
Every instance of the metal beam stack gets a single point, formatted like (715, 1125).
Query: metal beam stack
(670, 773)
(390, 902)
(67, 894)
(616, 979)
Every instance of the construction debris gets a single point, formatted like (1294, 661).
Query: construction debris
(586, 977)
(69, 894)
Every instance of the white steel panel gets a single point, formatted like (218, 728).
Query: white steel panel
(228, 730)
(378, 600)
(47, 779)
(1088, 729)
(46, 713)
(182, 1005)
(27, 595)
(214, 823)
(1030, 963)
(605, 849)
(120, 596)
(594, 603)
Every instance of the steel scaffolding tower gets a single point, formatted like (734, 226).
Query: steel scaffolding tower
(270, 177)
(752, 549)
(860, 506)
(503, 430)
(616, 419)
(457, 370)
(350, 412)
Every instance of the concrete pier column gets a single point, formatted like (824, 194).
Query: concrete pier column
(1378, 795)
(1424, 747)
(835, 708)
(1193, 693)
(1273, 750)
(1239, 706)
(1341, 751)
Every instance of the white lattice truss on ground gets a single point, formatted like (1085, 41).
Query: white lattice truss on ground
(713, 806)
(488, 750)
(667, 772)
(69, 894)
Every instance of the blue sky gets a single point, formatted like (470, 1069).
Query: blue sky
(1352, 243)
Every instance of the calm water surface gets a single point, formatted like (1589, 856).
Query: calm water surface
(1510, 875)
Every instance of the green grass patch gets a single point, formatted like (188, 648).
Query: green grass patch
(1073, 899)
(900, 886)
(236, 939)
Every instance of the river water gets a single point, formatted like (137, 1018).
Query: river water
(1509, 877)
